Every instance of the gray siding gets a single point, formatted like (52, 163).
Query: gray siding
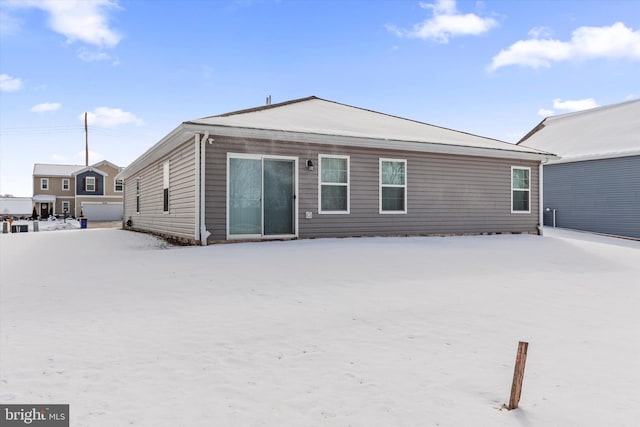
(446, 194)
(80, 182)
(597, 195)
(179, 222)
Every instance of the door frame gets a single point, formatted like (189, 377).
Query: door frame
(262, 158)
(48, 209)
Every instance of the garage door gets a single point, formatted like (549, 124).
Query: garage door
(99, 211)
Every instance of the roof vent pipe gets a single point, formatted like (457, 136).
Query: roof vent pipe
(269, 100)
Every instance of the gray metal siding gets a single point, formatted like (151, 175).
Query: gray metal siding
(179, 222)
(446, 194)
(596, 195)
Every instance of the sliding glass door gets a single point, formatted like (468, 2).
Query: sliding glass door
(278, 197)
(261, 196)
(245, 196)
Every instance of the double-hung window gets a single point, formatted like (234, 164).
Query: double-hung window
(393, 186)
(520, 190)
(118, 186)
(44, 183)
(90, 183)
(65, 184)
(334, 191)
(65, 207)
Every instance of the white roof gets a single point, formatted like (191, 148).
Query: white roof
(318, 121)
(40, 169)
(15, 205)
(44, 198)
(609, 131)
(319, 116)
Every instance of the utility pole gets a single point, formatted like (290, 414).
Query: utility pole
(86, 141)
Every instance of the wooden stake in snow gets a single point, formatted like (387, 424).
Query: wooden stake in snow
(518, 375)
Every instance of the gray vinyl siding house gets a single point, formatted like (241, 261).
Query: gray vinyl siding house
(595, 185)
(313, 168)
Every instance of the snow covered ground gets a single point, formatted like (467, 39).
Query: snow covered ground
(51, 224)
(363, 332)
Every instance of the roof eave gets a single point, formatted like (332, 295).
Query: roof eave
(157, 151)
(387, 144)
(187, 129)
(588, 157)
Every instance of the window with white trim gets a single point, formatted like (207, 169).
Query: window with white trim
(65, 208)
(137, 195)
(165, 186)
(65, 184)
(520, 190)
(393, 186)
(90, 183)
(118, 186)
(333, 183)
(44, 183)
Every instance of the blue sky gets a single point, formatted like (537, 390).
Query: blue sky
(140, 68)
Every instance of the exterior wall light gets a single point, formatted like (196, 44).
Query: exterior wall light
(310, 165)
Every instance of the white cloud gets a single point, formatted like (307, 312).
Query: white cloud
(544, 112)
(111, 117)
(45, 107)
(578, 105)
(86, 21)
(58, 158)
(614, 42)
(446, 22)
(91, 56)
(540, 32)
(568, 106)
(9, 84)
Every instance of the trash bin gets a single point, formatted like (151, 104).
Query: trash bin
(83, 222)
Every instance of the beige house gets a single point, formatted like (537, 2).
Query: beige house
(74, 190)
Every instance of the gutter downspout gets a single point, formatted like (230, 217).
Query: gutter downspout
(201, 146)
(196, 184)
(541, 197)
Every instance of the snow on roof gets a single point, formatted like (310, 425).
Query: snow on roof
(608, 131)
(44, 198)
(319, 116)
(41, 169)
(319, 121)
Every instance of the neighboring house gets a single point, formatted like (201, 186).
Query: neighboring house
(315, 168)
(15, 207)
(74, 190)
(595, 184)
